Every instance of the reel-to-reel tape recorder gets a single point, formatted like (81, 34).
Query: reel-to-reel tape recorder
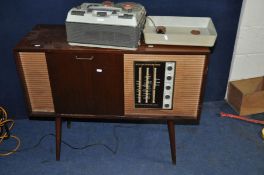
(106, 25)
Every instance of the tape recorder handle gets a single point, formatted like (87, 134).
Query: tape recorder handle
(84, 58)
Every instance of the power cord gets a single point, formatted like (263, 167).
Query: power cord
(158, 29)
(113, 151)
(6, 126)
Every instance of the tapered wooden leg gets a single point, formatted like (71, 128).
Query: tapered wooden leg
(68, 124)
(171, 130)
(58, 137)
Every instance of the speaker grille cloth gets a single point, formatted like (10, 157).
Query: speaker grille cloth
(187, 87)
(37, 82)
(120, 36)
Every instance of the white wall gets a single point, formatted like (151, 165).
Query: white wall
(248, 57)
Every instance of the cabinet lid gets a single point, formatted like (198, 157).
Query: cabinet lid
(49, 38)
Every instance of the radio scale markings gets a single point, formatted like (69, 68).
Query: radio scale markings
(139, 84)
(154, 84)
(147, 85)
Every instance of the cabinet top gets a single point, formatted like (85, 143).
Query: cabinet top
(48, 38)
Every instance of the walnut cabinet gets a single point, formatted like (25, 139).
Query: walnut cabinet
(154, 82)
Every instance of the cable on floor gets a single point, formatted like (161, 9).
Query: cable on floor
(112, 150)
(6, 126)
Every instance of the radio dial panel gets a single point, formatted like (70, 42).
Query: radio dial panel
(154, 82)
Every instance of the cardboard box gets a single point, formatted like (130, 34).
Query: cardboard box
(247, 96)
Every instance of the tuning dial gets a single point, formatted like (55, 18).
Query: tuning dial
(168, 87)
(167, 105)
(169, 77)
(167, 96)
(169, 68)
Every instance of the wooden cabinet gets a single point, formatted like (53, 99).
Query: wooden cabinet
(63, 81)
